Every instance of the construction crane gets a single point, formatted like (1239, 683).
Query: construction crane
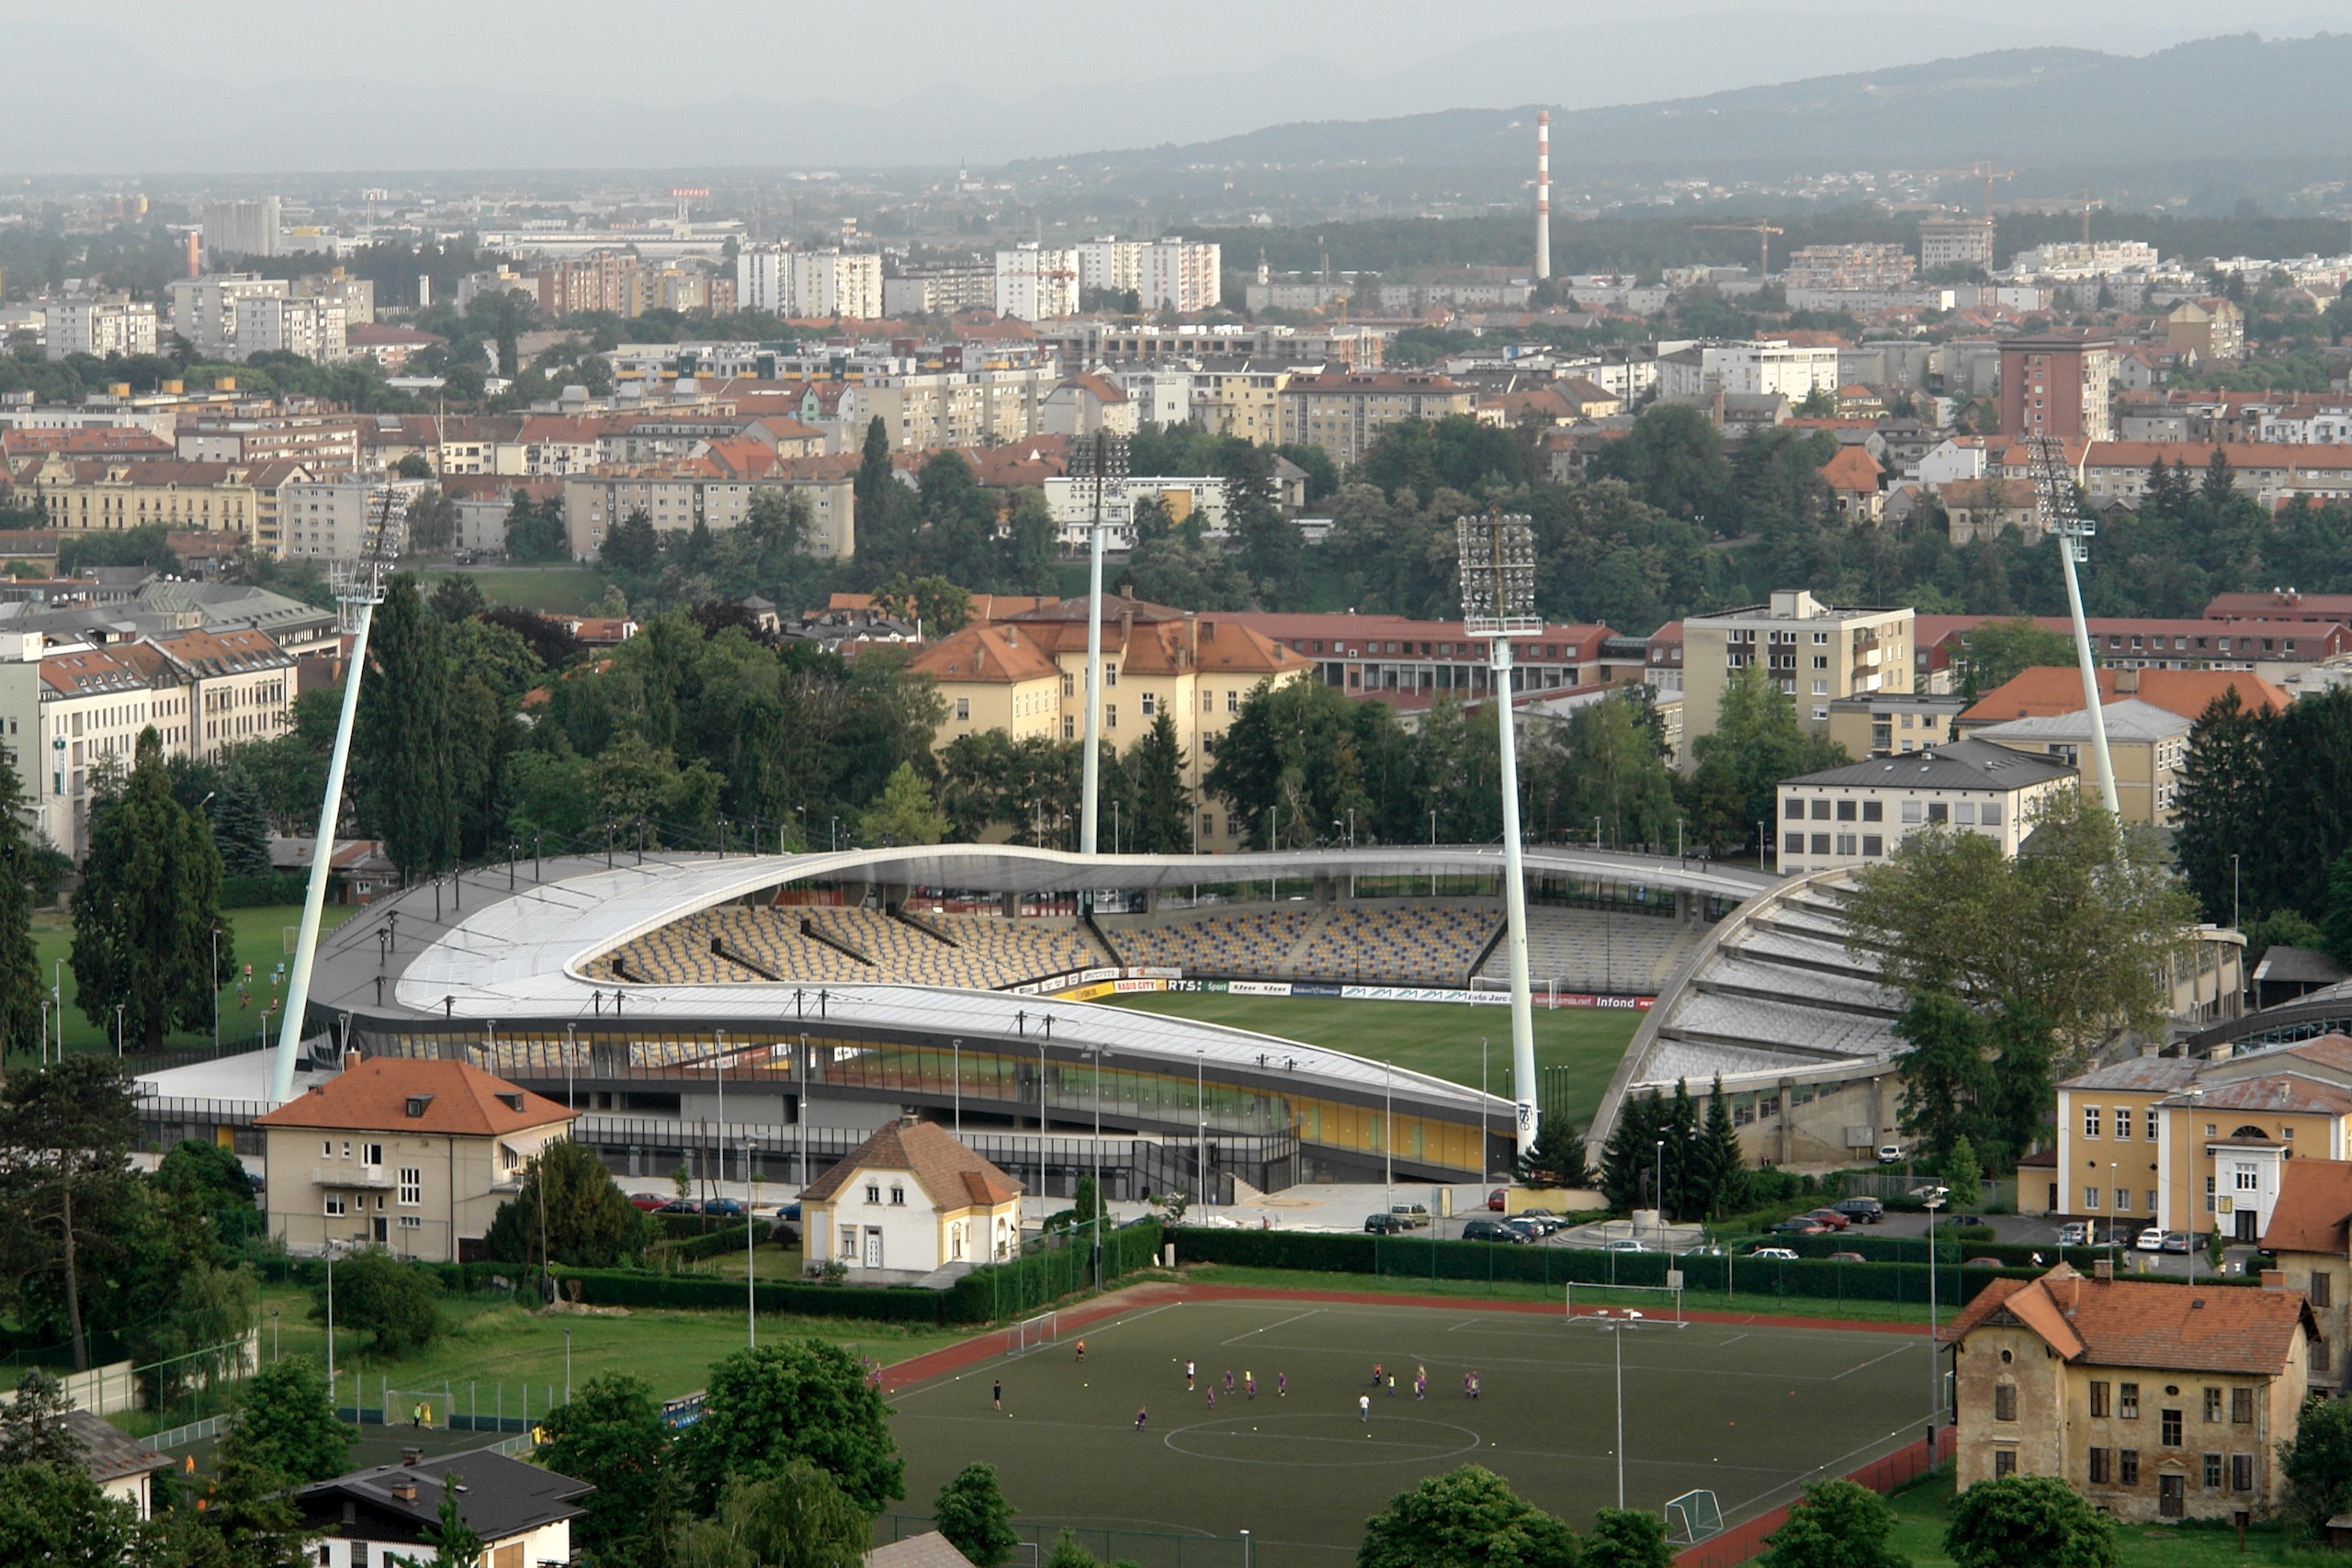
(2070, 532)
(1763, 232)
(1990, 172)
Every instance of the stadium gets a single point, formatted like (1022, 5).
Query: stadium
(712, 1010)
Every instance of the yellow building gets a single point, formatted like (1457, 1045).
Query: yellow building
(1814, 652)
(2173, 1143)
(112, 494)
(1344, 412)
(1243, 401)
(401, 1153)
(2153, 1400)
(1026, 675)
(2311, 1233)
(1887, 723)
(2147, 745)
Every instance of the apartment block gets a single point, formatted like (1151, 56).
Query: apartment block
(1814, 652)
(939, 290)
(99, 325)
(204, 309)
(1037, 283)
(1166, 274)
(676, 496)
(1861, 812)
(1955, 241)
(312, 329)
(243, 228)
(1344, 413)
(2058, 384)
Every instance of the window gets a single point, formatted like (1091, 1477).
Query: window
(898, 1197)
(1821, 811)
(2212, 1467)
(2127, 1467)
(2098, 1467)
(1845, 843)
(963, 708)
(2122, 1121)
(1793, 845)
(1208, 702)
(412, 1186)
(1110, 715)
(872, 1192)
(1821, 843)
(1939, 812)
(2123, 1202)
(1233, 702)
(1070, 685)
(2152, 1123)
(2171, 1423)
(2090, 1120)
(371, 1154)
(2319, 1356)
(2004, 1402)
(1965, 813)
(1911, 811)
(1150, 704)
(2209, 1183)
(326, 1148)
(1846, 810)
(411, 1222)
(2126, 1401)
(2005, 1462)
(1989, 814)
(2241, 1473)
(2320, 1290)
(2247, 1178)
(2212, 1405)
(1793, 809)
(2242, 1407)
(1110, 676)
(1873, 845)
(2098, 1397)
(1874, 811)
(336, 1205)
(2090, 1197)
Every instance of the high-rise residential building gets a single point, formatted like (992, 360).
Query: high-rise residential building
(781, 281)
(99, 325)
(1873, 266)
(763, 279)
(1344, 412)
(941, 290)
(204, 309)
(2058, 384)
(1037, 283)
(1955, 241)
(1814, 652)
(241, 227)
(1166, 274)
(355, 295)
(311, 328)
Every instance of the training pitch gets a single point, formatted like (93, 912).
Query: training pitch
(1750, 1412)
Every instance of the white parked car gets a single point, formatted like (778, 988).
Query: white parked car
(1890, 1154)
(1783, 1253)
(1623, 1243)
(2151, 1240)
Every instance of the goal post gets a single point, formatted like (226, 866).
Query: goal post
(1658, 1305)
(1692, 1517)
(1032, 1334)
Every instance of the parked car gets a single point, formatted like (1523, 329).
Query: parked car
(1493, 1230)
(680, 1206)
(1494, 1199)
(1847, 1258)
(1527, 1229)
(2180, 1241)
(1890, 1154)
(726, 1206)
(1624, 1244)
(1778, 1254)
(1415, 1216)
(1800, 1225)
(2151, 1240)
(1861, 1211)
(650, 1202)
(1830, 1217)
(1984, 1263)
(2074, 1233)
(1544, 1221)
(1964, 1220)
(1385, 1225)
(1708, 1249)
(788, 1211)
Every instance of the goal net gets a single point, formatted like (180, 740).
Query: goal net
(1692, 1517)
(1032, 1334)
(1659, 1304)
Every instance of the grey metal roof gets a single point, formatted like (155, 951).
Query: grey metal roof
(1961, 764)
(2140, 1074)
(2298, 965)
(498, 1498)
(2130, 719)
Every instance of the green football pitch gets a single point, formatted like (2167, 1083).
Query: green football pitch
(1438, 1038)
(1750, 1413)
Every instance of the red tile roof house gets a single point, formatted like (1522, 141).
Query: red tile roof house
(911, 1202)
(411, 1155)
(2152, 1399)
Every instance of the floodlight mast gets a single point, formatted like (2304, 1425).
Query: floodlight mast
(2053, 497)
(359, 590)
(1105, 463)
(1498, 555)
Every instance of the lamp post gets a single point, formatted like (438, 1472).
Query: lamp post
(1657, 1186)
(1934, 1377)
(571, 1045)
(1201, 1110)
(1041, 1130)
(2233, 894)
(1388, 1133)
(117, 1031)
(567, 1364)
(957, 1058)
(330, 1249)
(719, 1066)
(216, 986)
(1486, 1148)
(751, 1232)
(1099, 1053)
(1103, 463)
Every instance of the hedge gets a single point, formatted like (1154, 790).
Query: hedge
(702, 1293)
(261, 892)
(1428, 1259)
(709, 1244)
(2012, 1254)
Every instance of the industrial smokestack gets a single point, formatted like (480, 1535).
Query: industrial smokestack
(1542, 195)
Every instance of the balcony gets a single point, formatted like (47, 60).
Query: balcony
(352, 1178)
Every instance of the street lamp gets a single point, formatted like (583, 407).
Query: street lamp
(1201, 1110)
(567, 1363)
(957, 1049)
(1657, 1186)
(2233, 894)
(1935, 1368)
(1387, 1132)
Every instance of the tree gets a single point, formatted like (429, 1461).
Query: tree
(1609, 769)
(590, 1222)
(2335, 924)
(1963, 1174)
(2317, 1463)
(906, 814)
(1999, 651)
(1626, 1538)
(1557, 1156)
(66, 1132)
(144, 912)
(1947, 1074)
(401, 738)
(803, 1400)
(1835, 1524)
(1467, 1518)
(2280, 928)
(455, 1542)
(432, 520)
(412, 466)
(611, 1435)
(54, 1514)
(20, 987)
(1673, 458)
(284, 1424)
(797, 1518)
(1162, 823)
(632, 545)
(971, 1512)
(384, 1297)
(1756, 742)
(241, 825)
(32, 1425)
(244, 1519)
(1718, 1156)
(2225, 789)
(1067, 1553)
(2028, 1521)
(1291, 763)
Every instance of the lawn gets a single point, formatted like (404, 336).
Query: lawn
(1750, 1413)
(259, 939)
(1922, 1509)
(1438, 1038)
(551, 590)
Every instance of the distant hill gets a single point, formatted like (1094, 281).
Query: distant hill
(2218, 99)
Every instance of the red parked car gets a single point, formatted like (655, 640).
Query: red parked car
(1831, 1217)
(1494, 1199)
(648, 1201)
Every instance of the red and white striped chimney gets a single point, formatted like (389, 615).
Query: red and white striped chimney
(1542, 195)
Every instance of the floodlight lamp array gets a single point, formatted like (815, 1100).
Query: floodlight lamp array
(1105, 458)
(1498, 566)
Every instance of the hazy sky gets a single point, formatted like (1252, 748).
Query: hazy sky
(285, 85)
